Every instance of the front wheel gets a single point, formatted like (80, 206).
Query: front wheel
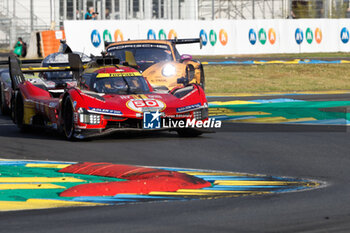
(18, 112)
(68, 119)
(189, 132)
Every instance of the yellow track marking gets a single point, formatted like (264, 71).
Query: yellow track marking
(273, 120)
(281, 93)
(261, 120)
(38, 179)
(47, 165)
(253, 182)
(233, 102)
(214, 191)
(229, 112)
(30, 186)
(212, 173)
(41, 204)
(176, 194)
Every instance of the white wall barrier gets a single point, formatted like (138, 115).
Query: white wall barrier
(220, 37)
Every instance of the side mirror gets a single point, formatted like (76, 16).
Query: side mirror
(183, 81)
(185, 57)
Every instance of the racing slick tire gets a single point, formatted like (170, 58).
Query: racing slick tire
(189, 132)
(68, 119)
(4, 109)
(18, 112)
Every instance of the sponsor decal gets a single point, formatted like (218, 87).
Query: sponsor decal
(299, 36)
(318, 35)
(109, 75)
(252, 36)
(172, 34)
(272, 36)
(309, 36)
(105, 111)
(191, 123)
(126, 97)
(162, 34)
(212, 37)
(118, 35)
(145, 105)
(151, 35)
(203, 35)
(262, 36)
(151, 120)
(95, 38)
(188, 108)
(344, 35)
(107, 36)
(223, 37)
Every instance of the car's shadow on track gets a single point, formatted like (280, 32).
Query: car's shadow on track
(45, 134)
(10, 130)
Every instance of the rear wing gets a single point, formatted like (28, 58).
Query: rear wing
(24, 61)
(174, 41)
(186, 41)
(16, 72)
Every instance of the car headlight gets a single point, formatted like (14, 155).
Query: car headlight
(169, 70)
(92, 119)
(88, 118)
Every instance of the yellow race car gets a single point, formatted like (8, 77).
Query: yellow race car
(160, 62)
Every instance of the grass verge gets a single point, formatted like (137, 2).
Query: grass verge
(274, 78)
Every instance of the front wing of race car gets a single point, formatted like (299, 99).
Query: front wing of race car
(185, 110)
(107, 125)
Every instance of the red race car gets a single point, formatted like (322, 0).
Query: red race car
(108, 97)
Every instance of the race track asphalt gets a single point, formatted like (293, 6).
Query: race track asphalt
(323, 156)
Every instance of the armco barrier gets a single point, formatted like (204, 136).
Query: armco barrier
(219, 36)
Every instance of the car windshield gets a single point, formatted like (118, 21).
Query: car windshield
(52, 76)
(122, 85)
(145, 54)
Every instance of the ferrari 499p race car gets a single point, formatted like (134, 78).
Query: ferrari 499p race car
(108, 97)
(53, 81)
(160, 62)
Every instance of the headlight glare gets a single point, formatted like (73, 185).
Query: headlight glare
(169, 70)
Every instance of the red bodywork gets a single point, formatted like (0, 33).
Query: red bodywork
(115, 112)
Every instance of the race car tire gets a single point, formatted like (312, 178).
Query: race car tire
(68, 119)
(4, 109)
(189, 132)
(18, 112)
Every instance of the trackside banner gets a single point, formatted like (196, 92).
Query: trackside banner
(219, 37)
